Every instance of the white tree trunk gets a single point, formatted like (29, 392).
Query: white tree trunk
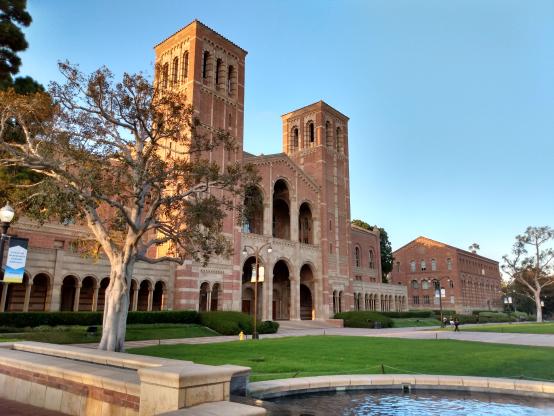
(537, 294)
(116, 307)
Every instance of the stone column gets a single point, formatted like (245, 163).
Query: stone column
(135, 300)
(150, 297)
(77, 297)
(4, 296)
(209, 300)
(95, 299)
(378, 303)
(267, 314)
(294, 298)
(28, 287)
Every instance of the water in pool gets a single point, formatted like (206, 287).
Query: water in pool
(359, 403)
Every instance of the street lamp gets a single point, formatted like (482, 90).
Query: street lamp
(256, 252)
(440, 294)
(6, 216)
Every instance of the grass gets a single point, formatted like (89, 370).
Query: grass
(78, 334)
(411, 322)
(328, 355)
(544, 328)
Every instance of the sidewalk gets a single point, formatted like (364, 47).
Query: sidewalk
(539, 340)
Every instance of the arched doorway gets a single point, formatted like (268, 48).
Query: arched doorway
(15, 298)
(68, 292)
(143, 295)
(341, 301)
(307, 311)
(253, 210)
(214, 302)
(335, 308)
(248, 286)
(39, 293)
(104, 283)
(158, 297)
(305, 224)
(86, 296)
(281, 284)
(204, 290)
(281, 210)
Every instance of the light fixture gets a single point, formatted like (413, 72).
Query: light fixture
(269, 249)
(244, 252)
(6, 213)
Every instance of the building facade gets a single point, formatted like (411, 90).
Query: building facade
(319, 264)
(469, 281)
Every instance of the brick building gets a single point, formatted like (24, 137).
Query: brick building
(319, 263)
(470, 281)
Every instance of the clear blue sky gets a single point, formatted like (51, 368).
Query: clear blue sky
(451, 103)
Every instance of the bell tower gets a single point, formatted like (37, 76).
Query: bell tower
(316, 138)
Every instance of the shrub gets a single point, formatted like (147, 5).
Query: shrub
(364, 319)
(227, 322)
(409, 314)
(268, 327)
(467, 319)
(34, 319)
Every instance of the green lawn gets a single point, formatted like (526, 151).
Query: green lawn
(544, 328)
(135, 332)
(411, 322)
(320, 355)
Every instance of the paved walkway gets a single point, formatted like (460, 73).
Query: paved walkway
(410, 333)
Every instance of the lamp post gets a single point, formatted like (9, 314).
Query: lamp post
(6, 216)
(256, 252)
(438, 281)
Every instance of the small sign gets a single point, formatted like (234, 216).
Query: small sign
(443, 293)
(260, 277)
(15, 263)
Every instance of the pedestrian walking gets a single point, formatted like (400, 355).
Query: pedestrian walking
(456, 324)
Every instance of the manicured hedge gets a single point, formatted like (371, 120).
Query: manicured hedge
(364, 319)
(33, 319)
(232, 323)
(467, 319)
(409, 314)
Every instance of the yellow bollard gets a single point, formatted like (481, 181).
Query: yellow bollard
(241, 336)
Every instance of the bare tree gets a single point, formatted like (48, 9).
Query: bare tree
(531, 263)
(130, 162)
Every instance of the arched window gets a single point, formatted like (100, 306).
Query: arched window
(371, 259)
(433, 265)
(423, 265)
(357, 256)
(175, 71)
(415, 284)
(294, 139)
(328, 134)
(311, 133)
(165, 75)
(230, 78)
(425, 284)
(218, 67)
(185, 65)
(338, 139)
(205, 63)
(412, 266)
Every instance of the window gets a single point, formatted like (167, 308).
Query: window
(338, 139)
(294, 143)
(330, 248)
(230, 78)
(426, 300)
(483, 272)
(205, 59)
(330, 225)
(185, 65)
(175, 71)
(433, 265)
(412, 266)
(425, 284)
(398, 266)
(423, 265)
(371, 260)
(165, 75)
(415, 300)
(328, 134)
(357, 256)
(218, 65)
(451, 284)
(415, 284)
(311, 133)
(449, 264)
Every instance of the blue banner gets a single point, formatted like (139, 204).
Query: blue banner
(17, 257)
